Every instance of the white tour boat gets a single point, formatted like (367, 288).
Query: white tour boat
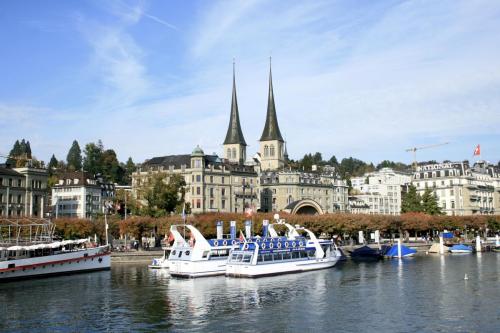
(280, 255)
(28, 250)
(201, 257)
(173, 238)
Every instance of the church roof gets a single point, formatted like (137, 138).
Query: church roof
(271, 129)
(234, 133)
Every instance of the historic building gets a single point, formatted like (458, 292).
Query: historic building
(379, 192)
(80, 194)
(23, 191)
(460, 188)
(234, 183)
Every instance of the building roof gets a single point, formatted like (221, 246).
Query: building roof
(198, 151)
(9, 172)
(176, 160)
(234, 133)
(271, 129)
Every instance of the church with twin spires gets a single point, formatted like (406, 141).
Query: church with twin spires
(235, 183)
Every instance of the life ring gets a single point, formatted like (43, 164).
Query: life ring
(224, 242)
(263, 245)
(300, 243)
(271, 245)
(245, 247)
(294, 244)
(216, 243)
(233, 242)
(279, 245)
(286, 244)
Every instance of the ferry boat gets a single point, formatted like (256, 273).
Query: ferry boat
(275, 255)
(163, 262)
(27, 250)
(201, 257)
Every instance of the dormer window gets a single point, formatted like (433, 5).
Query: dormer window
(75, 181)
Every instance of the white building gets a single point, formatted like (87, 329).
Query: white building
(80, 194)
(380, 191)
(461, 189)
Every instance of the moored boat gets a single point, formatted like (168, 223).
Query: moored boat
(365, 253)
(398, 251)
(200, 257)
(37, 255)
(460, 248)
(275, 255)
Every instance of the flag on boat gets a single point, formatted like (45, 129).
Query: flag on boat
(477, 151)
(242, 237)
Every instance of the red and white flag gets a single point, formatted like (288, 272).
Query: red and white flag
(477, 151)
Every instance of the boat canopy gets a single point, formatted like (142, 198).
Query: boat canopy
(460, 247)
(405, 251)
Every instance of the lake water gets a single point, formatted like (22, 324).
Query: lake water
(421, 294)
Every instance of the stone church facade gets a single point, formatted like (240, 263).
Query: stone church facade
(265, 183)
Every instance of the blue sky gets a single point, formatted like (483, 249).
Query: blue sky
(352, 78)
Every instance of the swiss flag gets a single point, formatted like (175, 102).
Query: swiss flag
(242, 238)
(477, 151)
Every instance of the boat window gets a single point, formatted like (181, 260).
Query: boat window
(295, 254)
(188, 252)
(311, 253)
(247, 258)
(180, 254)
(233, 257)
(287, 256)
(268, 257)
(239, 257)
(260, 258)
(173, 252)
(205, 254)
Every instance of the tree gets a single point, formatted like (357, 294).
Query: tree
(333, 161)
(74, 158)
(411, 201)
(130, 168)
(430, 203)
(52, 165)
(163, 194)
(92, 161)
(110, 166)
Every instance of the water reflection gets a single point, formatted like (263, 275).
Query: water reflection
(426, 293)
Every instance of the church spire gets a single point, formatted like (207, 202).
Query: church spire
(234, 134)
(271, 129)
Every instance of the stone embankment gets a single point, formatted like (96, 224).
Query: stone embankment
(135, 256)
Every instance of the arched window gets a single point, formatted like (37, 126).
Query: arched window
(266, 150)
(234, 152)
(272, 150)
(228, 153)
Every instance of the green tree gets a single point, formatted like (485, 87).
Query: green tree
(411, 201)
(163, 194)
(430, 203)
(74, 157)
(333, 161)
(92, 162)
(130, 168)
(52, 166)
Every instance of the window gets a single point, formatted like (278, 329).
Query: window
(223, 204)
(223, 191)
(228, 153)
(222, 179)
(266, 150)
(198, 190)
(198, 178)
(271, 150)
(19, 198)
(19, 183)
(211, 179)
(211, 192)
(234, 153)
(198, 203)
(10, 181)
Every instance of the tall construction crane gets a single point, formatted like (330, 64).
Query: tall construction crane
(414, 150)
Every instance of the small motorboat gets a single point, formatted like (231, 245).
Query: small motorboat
(394, 252)
(365, 253)
(460, 248)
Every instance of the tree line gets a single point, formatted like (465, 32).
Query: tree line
(95, 159)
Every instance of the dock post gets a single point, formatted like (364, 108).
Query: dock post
(248, 229)
(361, 238)
(265, 225)
(399, 248)
(232, 229)
(220, 229)
(377, 238)
(478, 244)
(497, 240)
(441, 245)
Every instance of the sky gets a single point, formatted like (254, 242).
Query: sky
(367, 79)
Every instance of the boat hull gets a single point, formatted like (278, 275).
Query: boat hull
(261, 270)
(93, 259)
(194, 269)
